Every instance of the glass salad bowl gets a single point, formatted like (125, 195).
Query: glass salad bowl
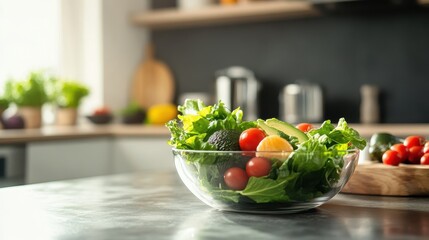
(265, 182)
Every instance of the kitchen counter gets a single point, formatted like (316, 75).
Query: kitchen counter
(156, 205)
(47, 133)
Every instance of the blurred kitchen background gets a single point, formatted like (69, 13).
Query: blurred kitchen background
(367, 61)
(346, 45)
(381, 43)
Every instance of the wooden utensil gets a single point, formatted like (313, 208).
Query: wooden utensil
(153, 82)
(381, 179)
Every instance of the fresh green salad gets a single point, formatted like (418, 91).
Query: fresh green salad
(261, 161)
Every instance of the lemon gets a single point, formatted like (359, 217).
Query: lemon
(279, 147)
(161, 113)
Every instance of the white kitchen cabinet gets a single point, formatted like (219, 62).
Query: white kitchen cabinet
(68, 159)
(12, 160)
(12, 165)
(77, 158)
(142, 154)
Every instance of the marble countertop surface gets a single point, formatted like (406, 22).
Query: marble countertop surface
(157, 205)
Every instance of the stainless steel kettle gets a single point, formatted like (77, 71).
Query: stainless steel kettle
(301, 102)
(237, 87)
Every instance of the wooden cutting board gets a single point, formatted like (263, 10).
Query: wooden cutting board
(153, 81)
(381, 179)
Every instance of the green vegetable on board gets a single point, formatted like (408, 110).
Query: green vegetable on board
(380, 143)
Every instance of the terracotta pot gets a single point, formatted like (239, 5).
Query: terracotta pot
(32, 116)
(66, 116)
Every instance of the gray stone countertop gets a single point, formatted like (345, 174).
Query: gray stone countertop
(158, 206)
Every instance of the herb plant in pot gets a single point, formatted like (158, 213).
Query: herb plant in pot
(67, 96)
(29, 95)
(4, 104)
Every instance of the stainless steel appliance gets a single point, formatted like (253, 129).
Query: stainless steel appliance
(301, 102)
(238, 87)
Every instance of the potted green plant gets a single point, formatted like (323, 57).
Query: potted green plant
(4, 104)
(133, 114)
(67, 96)
(28, 95)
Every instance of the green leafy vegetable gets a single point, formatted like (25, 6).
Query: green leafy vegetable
(330, 135)
(198, 122)
(263, 190)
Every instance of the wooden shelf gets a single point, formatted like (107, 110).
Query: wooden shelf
(423, 2)
(219, 15)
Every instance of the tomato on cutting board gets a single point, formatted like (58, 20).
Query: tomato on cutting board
(401, 150)
(416, 152)
(424, 160)
(426, 147)
(391, 157)
(412, 141)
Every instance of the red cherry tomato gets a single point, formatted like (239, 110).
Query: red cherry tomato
(235, 178)
(305, 127)
(250, 138)
(258, 167)
(424, 160)
(412, 141)
(391, 157)
(426, 147)
(416, 153)
(401, 150)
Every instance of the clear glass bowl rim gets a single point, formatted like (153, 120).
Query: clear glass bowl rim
(354, 150)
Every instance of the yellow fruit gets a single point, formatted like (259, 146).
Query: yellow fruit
(279, 147)
(161, 113)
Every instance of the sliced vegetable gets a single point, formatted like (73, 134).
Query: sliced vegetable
(274, 147)
(273, 131)
(287, 128)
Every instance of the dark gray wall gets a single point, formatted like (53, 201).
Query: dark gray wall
(338, 51)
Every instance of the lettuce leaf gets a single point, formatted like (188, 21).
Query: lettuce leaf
(197, 122)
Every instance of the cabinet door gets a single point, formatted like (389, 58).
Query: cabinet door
(12, 161)
(142, 154)
(68, 159)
